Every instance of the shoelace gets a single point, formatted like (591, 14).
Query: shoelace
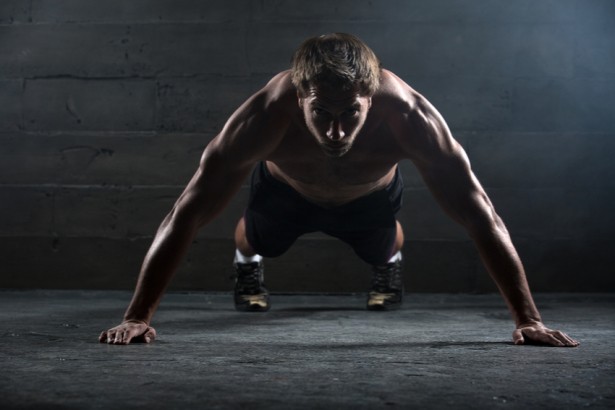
(249, 277)
(381, 280)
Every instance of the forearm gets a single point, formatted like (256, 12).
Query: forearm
(161, 262)
(505, 267)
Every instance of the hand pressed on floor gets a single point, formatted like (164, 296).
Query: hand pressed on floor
(538, 334)
(128, 331)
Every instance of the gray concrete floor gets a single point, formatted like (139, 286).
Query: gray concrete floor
(308, 352)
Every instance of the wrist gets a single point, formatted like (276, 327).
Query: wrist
(525, 312)
(533, 321)
(136, 319)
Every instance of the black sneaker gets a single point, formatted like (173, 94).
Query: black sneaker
(250, 292)
(387, 287)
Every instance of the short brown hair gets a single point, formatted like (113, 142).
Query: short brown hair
(338, 59)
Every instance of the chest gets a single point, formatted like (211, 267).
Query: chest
(371, 157)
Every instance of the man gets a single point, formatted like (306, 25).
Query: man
(324, 140)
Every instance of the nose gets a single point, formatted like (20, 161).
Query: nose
(335, 131)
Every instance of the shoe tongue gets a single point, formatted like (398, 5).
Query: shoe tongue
(249, 270)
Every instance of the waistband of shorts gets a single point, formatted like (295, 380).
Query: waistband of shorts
(394, 189)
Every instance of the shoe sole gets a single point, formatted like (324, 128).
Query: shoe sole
(252, 303)
(252, 308)
(384, 301)
(383, 308)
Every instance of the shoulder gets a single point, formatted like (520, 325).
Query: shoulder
(271, 104)
(276, 94)
(417, 125)
(258, 125)
(395, 96)
(401, 106)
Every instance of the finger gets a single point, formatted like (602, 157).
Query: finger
(103, 337)
(554, 341)
(124, 337)
(147, 337)
(150, 335)
(573, 342)
(567, 340)
(518, 337)
(118, 337)
(545, 338)
(560, 336)
(564, 338)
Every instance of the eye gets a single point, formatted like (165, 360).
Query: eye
(320, 113)
(352, 112)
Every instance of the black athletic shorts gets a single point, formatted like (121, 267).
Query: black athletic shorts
(277, 215)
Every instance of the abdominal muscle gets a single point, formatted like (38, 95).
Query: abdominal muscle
(330, 191)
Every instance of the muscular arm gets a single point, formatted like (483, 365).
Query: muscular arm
(249, 135)
(210, 190)
(446, 170)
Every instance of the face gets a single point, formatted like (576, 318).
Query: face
(334, 117)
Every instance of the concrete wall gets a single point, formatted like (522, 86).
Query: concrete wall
(105, 107)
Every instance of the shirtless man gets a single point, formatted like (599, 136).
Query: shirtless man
(324, 140)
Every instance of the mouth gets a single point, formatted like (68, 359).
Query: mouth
(335, 149)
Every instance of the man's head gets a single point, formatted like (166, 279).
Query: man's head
(335, 75)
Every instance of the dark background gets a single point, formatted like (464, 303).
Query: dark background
(105, 107)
